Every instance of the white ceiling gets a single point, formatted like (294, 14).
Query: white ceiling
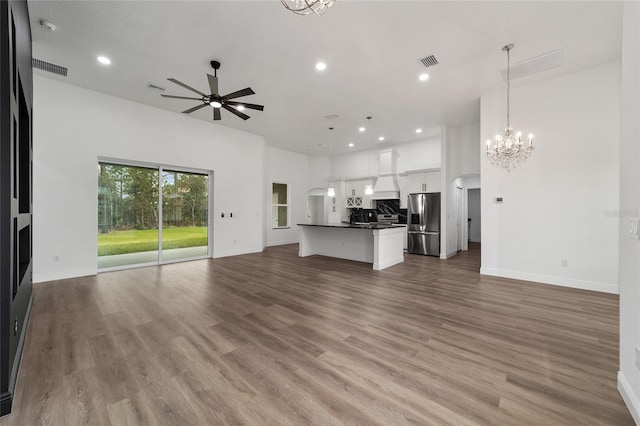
(371, 49)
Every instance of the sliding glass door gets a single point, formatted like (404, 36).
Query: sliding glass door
(151, 215)
(185, 215)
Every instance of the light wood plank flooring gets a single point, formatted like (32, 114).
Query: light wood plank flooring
(271, 338)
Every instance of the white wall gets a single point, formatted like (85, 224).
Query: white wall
(290, 168)
(423, 154)
(470, 134)
(74, 126)
(629, 375)
(556, 203)
(319, 172)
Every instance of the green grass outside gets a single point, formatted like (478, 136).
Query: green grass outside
(134, 241)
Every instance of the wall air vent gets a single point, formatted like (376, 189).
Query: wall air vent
(154, 86)
(429, 61)
(534, 65)
(49, 67)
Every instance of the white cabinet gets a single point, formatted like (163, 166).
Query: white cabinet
(366, 198)
(424, 182)
(354, 188)
(337, 212)
(355, 193)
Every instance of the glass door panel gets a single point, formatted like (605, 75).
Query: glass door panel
(128, 215)
(185, 215)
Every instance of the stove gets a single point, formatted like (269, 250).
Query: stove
(388, 219)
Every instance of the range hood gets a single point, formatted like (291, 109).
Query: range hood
(386, 186)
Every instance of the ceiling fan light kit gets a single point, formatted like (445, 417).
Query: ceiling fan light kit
(508, 150)
(214, 99)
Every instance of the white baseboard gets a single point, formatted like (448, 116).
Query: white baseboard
(227, 253)
(379, 266)
(63, 275)
(282, 242)
(631, 399)
(448, 255)
(549, 279)
(475, 240)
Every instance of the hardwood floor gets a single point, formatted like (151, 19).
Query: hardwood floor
(271, 338)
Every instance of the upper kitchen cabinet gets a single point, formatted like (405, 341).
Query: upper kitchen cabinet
(424, 182)
(356, 193)
(353, 194)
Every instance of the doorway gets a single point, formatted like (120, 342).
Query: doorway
(473, 204)
(315, 209)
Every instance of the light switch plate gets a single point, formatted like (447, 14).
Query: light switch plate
(634, 224)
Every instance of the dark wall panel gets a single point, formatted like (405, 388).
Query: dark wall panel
(16, 163)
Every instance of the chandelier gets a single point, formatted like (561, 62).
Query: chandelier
(508, 149)
(306, 7)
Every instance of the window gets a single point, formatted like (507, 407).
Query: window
(280, 205)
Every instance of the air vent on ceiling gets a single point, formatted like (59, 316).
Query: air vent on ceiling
(49, 67)
(154, 86)
(534, 65)
(429, 61)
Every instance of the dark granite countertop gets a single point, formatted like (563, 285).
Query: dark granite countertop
(353, 226)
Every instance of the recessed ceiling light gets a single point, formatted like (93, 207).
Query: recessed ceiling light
(424, 77)
(351, 145)
(361, 129)
(381, 138)
(104, 60)
(240, 107)
(321, 66)
(418, 130)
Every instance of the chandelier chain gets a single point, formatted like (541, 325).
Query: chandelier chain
(508, 85)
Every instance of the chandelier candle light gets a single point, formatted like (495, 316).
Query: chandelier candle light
(508, 150)
(307, 7)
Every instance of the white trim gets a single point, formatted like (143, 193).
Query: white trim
(383, 265)
(257, 249)
(549, 279)
(630, 398)
(475, 240)
(63, 275)
(445, 256)
(283, 242)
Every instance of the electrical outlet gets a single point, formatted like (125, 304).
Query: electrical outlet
(638, 357)
(564, 263)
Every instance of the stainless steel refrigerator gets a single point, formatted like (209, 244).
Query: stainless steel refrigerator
(423, 224)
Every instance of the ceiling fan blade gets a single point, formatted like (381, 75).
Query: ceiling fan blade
(236, 112)
(213, 84)
(195, 108)
(246, 105)
(216, 114)
(239, 93)
(179, 83)
(179, 97)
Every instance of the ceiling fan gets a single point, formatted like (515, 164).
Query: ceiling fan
(214, 99)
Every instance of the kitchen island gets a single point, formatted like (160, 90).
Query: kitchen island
(381, 245)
